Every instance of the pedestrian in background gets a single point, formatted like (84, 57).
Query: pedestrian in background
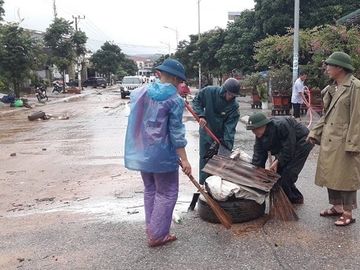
(218, 109)
(338, 133)
(183, 90)
(155, 141)
(298, 96)
(285, 138)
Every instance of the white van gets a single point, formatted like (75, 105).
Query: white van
(130, 83)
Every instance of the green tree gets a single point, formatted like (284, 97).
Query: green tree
(79, 39)
(126, 68)
(2, 11)
(208, 46)
(108, 59)
(59, 39)
(315, 46)
(19, 54)
(275, 16)
(186, 54)
(238, 44)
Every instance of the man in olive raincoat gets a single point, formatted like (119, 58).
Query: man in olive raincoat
(338, 133)
(218, 109)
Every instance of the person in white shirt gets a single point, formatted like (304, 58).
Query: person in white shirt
(298, 97)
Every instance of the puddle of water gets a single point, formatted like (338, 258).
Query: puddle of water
(108, 210)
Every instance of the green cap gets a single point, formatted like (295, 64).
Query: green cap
(340, 59)
(257, 120)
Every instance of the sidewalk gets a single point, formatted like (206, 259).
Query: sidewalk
(53, 99)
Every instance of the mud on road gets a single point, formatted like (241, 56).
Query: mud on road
(66, 202)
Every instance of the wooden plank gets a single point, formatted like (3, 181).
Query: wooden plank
(241, 172)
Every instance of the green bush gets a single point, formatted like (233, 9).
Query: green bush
(281, 80)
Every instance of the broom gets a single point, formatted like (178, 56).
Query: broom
(220, 213)
(280, 206)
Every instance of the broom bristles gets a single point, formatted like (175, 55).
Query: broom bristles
(280, 206)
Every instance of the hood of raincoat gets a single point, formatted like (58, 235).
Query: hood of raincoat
(161, 91)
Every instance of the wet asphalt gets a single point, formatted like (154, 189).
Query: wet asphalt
(96, 219)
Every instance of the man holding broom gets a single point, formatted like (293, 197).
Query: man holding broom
(219, 111)
(285, 138)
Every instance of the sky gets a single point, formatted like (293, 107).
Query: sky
(137, 26)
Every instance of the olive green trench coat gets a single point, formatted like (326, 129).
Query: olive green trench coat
(338, 133)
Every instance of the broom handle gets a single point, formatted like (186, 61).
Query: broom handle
(223, 217)
(207, 130)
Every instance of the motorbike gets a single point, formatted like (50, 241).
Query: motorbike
(57, 88)
(40, 93)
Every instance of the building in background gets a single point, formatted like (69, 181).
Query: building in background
(145, 65)
(233, 15)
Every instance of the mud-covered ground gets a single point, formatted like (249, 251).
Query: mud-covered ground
(66, 202)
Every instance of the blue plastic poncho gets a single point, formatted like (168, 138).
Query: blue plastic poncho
(155, 129)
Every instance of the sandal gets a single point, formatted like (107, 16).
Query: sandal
(167, 239)
(330, 212)
(345, 220)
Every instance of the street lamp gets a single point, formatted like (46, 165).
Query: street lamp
(168, 45)
(176, 33)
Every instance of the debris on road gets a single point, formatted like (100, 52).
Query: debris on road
(133, 212)
(177, 218)
(13, 155)
(43, 116)
(37, 115)
(47, 199)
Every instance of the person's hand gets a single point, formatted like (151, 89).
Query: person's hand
(274, 166)
(311, 140)
(202, 122)
(186, 167)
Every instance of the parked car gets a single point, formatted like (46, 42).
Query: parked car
(130, 83)
(95, 82)
(73, 83)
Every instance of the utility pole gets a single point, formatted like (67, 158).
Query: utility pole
(296, 42)
(199, 42)
(77, 18)
(54, 9)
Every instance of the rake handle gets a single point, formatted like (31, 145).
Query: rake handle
(207, 130)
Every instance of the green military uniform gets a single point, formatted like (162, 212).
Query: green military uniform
(222, 117)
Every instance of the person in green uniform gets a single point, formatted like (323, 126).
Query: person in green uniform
(338, 134)
(217, 109)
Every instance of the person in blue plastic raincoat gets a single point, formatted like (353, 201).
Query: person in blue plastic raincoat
(218, 109)
(155, 141)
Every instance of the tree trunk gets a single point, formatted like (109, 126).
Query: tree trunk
(16, 88)
(63, 86)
